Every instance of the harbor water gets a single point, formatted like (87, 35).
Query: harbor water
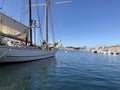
(69, 70)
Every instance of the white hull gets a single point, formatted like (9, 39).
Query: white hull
(23, 54)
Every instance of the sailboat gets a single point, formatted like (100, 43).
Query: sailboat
(12, 52)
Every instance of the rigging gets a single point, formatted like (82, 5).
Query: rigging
(2, 3)
(40, 28)
(52, 27)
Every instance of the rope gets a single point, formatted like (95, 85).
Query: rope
(2, 4)
(53, 36)
(34, 36)
(4, 53)
(24, 11)
(38, 15)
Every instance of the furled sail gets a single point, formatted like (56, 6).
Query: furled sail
(12, 28)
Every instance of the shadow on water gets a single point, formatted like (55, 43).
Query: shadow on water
(26, 76)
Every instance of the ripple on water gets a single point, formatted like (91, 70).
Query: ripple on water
(70, 70)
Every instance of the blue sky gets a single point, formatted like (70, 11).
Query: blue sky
(87, 22)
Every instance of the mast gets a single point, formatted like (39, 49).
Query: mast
(30, 22)
(47, 6)
(47, 3)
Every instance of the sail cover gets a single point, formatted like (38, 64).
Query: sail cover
(12, 28)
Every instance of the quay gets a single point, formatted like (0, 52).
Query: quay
(113, 49)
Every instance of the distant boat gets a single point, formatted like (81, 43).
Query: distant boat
(95, 51)
(17, 52)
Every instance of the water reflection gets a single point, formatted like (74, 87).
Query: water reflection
(27, 76)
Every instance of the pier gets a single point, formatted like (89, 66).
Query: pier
(113, 49)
